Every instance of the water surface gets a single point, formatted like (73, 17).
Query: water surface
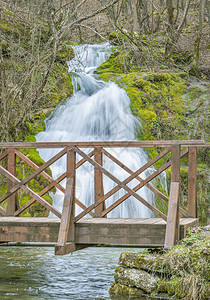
(34, 273)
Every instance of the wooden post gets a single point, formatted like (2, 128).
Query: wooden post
(98, 182)
(71, 173)
(66, 236)
(172, 215)
(192, 194)
(175, 177)
(12, 201)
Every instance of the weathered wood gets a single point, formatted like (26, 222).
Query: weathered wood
(66, 213)
(121, 184)
(44, 174)
(98, 182)
(12, 201)
(71, 175)
(108, 144)
(127, 180)
(175, 177)
(89, 231)
(51, 180)
(82, 161)
(43, 192)
(29, 229)
(137, 187)
(3, 211)
(31, 176)
(124, 167)
(170, 235)
(192, 194)
(65, 249)
(4, 154)
(30, 192)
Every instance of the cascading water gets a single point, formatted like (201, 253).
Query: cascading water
(97, 111)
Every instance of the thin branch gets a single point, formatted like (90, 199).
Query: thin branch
(81, 25)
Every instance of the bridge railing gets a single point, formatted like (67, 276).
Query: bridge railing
(178, 149)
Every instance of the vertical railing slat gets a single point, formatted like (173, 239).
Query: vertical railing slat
(66, 235)
(12, 201)
(98, 182)
(172, 215)
(175, 177)
(173, 219)
(192, 193)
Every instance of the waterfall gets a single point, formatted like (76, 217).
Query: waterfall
(97, 111)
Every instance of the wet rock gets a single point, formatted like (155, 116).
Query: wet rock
(136, 278)
(117, 289)
(137, 261)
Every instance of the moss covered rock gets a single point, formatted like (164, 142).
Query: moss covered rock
(135, 260)
(136, 278)
(117, 289)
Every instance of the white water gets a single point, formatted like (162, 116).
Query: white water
(98, 111)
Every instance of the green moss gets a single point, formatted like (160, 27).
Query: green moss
(117, 63)
(65, 52)
(114, 64)
(116, 38)
(117, 289)
(172, 287)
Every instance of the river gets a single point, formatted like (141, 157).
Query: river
(35, 273)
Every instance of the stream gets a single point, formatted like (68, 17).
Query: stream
(35, 273)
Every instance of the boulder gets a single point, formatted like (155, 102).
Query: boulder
(137, 261)
(136, 278)
(117, 289)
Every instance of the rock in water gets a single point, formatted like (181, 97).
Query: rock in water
(137, 261)
(117, 289)
(136, 278)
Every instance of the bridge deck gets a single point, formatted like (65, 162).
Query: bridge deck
(91, 231)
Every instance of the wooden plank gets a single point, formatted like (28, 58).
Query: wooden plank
(192, 193)
(82, 161)
(31, 176)
(170, 236)
(107, 144)
(71, 174)
(98, 182)
(3, 211)
(30, 192)
(175, 177)
(12, 201)
(121, 184)
(4, 154)
(24, 230)
(65, 249)
(30, 221)
(66, 213)
(88, 231)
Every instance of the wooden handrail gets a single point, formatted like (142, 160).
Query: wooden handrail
(108, 144)
(100, 148)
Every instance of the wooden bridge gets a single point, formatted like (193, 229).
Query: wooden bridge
(70, 232)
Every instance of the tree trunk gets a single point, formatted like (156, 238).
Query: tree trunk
(195, 62)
